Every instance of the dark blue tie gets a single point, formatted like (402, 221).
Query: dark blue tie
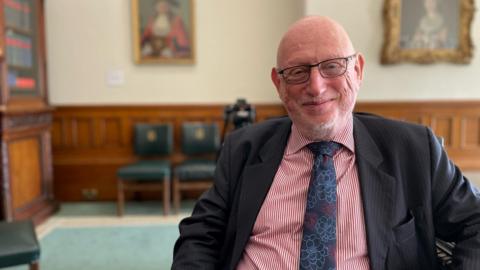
(319, 226)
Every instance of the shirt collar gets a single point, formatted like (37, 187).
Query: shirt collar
(345, 137)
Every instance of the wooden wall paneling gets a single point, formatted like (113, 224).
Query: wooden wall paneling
(112, 135)
(73, 132)
(456, 131)
(447, 120)
(84, 132)
(124, 130)
(426, 120)
(100, 135)
(25, 168)
(470, 127)
(72, 179)
(68, 131)
(58, 136)
(96, 132)
(93, 165)
(83, 165)
(443, 127)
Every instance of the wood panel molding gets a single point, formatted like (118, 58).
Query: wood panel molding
(458, 122)
(90, 142)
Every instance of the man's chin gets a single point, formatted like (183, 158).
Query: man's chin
(315, 130)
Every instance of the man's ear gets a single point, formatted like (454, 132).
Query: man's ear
(275, 78)
(359, 67)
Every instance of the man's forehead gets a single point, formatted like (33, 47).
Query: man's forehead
(313, 39)
(310, 51)
(295, 59)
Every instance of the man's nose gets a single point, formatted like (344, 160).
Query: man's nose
(317, 84)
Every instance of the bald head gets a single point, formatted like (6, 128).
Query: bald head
(321, 33)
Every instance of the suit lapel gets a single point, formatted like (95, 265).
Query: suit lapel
(377, 189)
(256, 181)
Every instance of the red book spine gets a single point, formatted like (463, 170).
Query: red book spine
(25, 83)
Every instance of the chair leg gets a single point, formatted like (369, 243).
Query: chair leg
(34, 266)
(166, 196)
(120, 198)
(176, 194)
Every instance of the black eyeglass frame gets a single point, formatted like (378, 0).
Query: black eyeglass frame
(347, 59)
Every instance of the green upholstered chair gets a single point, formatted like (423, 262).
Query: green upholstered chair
(19, 244)
(200, 142)
(152, 141)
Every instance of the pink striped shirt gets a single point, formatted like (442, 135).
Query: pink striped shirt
(277, 234)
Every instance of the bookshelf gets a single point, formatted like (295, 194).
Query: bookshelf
(26, 188)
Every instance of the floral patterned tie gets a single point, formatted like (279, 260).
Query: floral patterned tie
(319, 226)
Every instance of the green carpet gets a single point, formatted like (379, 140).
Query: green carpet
(125, 247)
(132, 208)
(105, 248)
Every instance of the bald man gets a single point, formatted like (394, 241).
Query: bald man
(272, 205)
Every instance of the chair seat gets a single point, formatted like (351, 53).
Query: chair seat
(195, 169)
(149, 170)
(18, 244)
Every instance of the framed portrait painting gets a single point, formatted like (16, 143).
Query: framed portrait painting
(163, 31)
(427, 31)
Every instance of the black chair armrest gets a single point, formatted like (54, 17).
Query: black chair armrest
(445, 253)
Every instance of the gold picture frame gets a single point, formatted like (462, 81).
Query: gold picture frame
(427, 31)
(163, 31)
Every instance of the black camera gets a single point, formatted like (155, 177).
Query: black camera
(240, 114)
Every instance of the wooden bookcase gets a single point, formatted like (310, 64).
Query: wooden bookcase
(26, 188)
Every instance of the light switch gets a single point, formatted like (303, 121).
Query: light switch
(115, 77)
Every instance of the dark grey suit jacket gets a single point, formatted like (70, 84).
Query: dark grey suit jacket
(411, 194)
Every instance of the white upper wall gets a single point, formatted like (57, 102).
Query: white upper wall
(235, 45)
(406, 81)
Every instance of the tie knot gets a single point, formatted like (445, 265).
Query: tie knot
(323, 148)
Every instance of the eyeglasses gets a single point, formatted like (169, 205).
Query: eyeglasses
(330, 68)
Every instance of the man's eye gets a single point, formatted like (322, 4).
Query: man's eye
(332, 65)
(297, 70)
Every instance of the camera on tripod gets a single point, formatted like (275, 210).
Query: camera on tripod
(240, 114)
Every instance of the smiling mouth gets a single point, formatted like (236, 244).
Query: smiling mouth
(317, 102)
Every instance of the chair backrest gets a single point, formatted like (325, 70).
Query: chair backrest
(200, 138)
(153, 139)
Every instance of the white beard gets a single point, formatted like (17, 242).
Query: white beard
(320, 132)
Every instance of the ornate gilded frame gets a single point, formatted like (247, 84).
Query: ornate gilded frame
(393, 52)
